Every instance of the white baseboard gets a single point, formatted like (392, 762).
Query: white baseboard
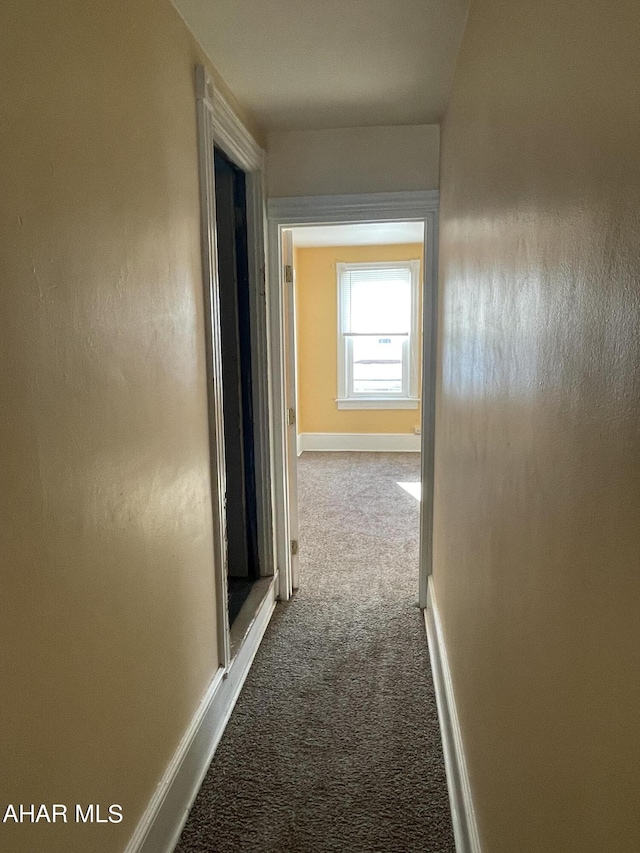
(164, 818)
(377, 442)
(465, 829)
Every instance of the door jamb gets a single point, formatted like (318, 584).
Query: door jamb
(219, 125)
(285, 213)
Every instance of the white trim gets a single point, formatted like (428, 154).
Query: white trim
(364, 207)
(159, 828)
(428, 394)
(378, 403)
(213, 357)
(463, 817)
(318, 210)
(277, 380)
(291, 379)
(229, 132)
(219, 125)
(366, 441)
(259, 326)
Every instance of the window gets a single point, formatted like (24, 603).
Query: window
(378, 339)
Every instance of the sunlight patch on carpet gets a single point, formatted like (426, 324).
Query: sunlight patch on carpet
(414, 489)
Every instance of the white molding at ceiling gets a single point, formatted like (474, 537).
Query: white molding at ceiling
(229, 132)
(465, 829)
(372, 207)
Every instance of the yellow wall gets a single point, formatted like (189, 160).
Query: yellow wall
(107, 611)
(537, 522)
(317, 333)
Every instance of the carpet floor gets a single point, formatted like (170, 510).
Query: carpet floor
(334, 744)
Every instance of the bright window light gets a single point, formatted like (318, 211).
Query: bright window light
(378, 334)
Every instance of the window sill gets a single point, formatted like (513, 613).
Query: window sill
(378, 403)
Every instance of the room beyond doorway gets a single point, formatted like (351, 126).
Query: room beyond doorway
(354, 303)
(286, 215)
(358, 335)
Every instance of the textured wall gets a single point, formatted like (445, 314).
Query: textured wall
(353, 160)
(107, 611)
(317, 342)
(537, 534)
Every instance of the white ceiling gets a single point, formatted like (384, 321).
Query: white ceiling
(309, 64)
(375, 234)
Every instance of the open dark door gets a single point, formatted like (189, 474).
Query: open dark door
(233, 271)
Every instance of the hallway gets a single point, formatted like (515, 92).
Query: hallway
(334, 742)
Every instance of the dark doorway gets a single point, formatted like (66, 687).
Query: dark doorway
(233, 272)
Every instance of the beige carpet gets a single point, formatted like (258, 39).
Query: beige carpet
(334, 744)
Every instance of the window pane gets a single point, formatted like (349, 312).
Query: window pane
(377, 365)
(380, 306)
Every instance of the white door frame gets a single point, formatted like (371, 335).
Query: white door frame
(322, 210)
(218, 125)
(291, 402)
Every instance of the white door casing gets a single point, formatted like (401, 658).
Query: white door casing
(291, 402)
(219, 126)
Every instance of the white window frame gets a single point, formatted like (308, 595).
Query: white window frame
(408, 397)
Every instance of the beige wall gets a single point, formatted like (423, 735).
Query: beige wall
(317, 342)
(537, 534)
(107, 611)
(353, 160)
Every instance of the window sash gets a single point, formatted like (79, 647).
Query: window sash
(355, 276)
(350, 364)
(404, 271)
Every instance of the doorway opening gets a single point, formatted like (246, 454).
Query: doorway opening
(353, 308)
(243, 564)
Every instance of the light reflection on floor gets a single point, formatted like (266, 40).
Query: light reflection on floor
(414, 489)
